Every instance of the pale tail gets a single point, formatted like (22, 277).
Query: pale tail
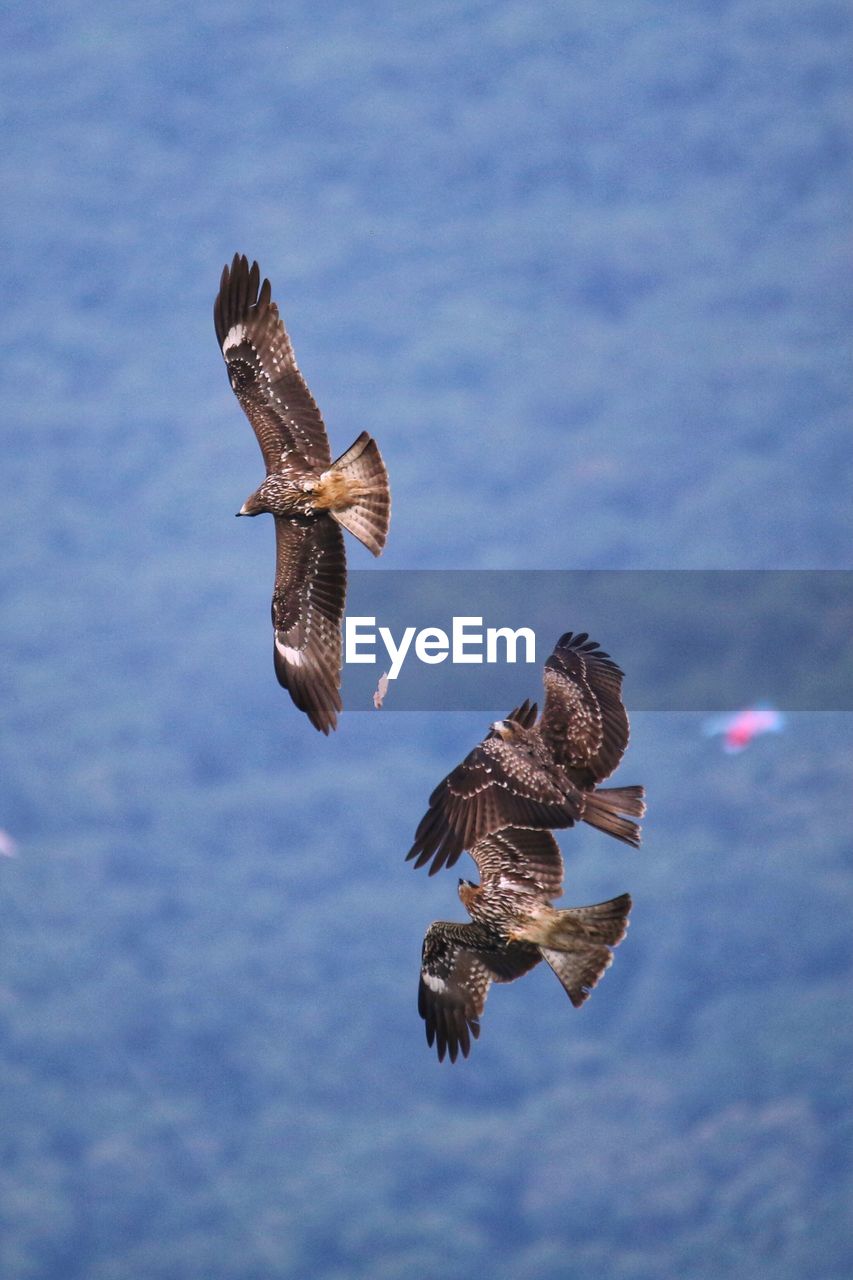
(362, 503)
(580, 970)
(579, 941)
(569, 927)
(607, 807)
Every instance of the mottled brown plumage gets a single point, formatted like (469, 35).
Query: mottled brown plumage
(513, 927)
(310, 496)
(545, 774)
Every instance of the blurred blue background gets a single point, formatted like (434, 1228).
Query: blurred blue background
(581, 270)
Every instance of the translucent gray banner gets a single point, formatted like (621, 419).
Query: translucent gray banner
(709, 640)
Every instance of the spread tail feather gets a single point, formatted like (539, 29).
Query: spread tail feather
(606, 810)
(567, 928)
(579, 970)
(576, 943)
(605, 922)
(355, 493)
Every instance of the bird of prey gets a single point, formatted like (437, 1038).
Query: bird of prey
(513, 927)
(310, 496)
(545, 774)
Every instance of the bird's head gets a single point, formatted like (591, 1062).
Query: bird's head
(254, 504)
(468, 892)
(506, 730)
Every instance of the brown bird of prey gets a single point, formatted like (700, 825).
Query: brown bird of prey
(545, 774)
(309, 496)
(514, 927)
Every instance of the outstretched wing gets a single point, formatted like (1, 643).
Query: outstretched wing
(530, 858)
(584, 722)
(456, 974)
(494, 787)
(307, 607)
(263, 369)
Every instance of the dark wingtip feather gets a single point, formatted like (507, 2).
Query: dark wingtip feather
(254, 282)
(238, 293)
(320, 702)
(579, 642)
(525, 715)
(438, 861)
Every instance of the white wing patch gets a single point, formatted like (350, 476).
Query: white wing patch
(295, 657)
(433, 982)
(235, 335)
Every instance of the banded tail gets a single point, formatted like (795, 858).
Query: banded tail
(576, 942)
(607, 808)
(355, 492)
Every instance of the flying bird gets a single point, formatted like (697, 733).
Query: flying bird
(514, 926)
(541, 774)
(310, 497)
(741, 727)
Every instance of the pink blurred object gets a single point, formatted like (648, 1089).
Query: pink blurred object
(8, 846)
(741, 727)
(381, 690)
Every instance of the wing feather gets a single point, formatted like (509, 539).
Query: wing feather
(307, 608)
(532, 858)
(525, 715)
(459, 962)
(263, 370)
(584, 722)
(485, 793)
